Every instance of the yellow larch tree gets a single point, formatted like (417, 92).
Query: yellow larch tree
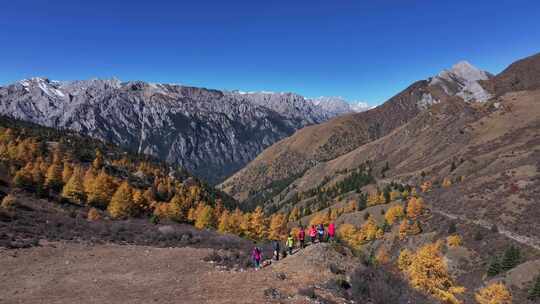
(53, 178)
(347, 233)
(495, 293)
(67, 171)
(319, 218)
(428, 272)
(179, 210)
(257, 224)
(236, 220)
(224, 222)
(88, 180)
(453, 241)
(394, 195)
(74, 190)
(373, 199)
(140, 201)
(404, 259)
(415, 207)
(278, 227)
(101, 190)
(393, 214)
(205, 217)
(245, 224)
(121, 204)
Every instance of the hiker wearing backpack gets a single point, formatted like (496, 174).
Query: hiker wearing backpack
(276, 246)
(331, 231)
(290, 243)
(320, 232)
(301, 237)
(256, 255)
(312, 234)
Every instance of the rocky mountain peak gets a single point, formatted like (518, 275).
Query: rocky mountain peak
(463, 80)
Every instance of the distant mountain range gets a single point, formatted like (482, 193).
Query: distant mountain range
(212, 133)
(289, 158)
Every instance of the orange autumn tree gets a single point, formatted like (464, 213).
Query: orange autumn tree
(205, 217)
(408, 227)
(427, 271)
(394, 214)
(495, 293)
(347, 233)
(121, 204)
(278, 227)
(225, 222)
(101, 190)
(257, 225)
(454, 241)
(53, 177)
(320, 218)
(415, 207)
(73, 190)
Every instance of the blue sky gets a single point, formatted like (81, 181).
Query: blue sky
(361, 50)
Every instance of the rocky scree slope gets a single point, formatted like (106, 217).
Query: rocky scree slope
(292, 156)
(211, 133)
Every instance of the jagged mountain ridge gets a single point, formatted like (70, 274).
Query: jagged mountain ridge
(210, 132)
(306, 148)
(338, 105)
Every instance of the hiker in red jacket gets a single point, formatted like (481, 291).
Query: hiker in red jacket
(331, 231)
(313, 234)
(301, 237)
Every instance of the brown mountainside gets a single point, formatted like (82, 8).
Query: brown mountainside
(314, 144)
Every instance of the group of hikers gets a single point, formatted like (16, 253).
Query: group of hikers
(315, 234)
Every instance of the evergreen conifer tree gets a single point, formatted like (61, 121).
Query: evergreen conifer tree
(511, 258)
(494, 267)
(534, 292)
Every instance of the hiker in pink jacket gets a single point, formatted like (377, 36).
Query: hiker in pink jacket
(331, 231)
(312, 234)
(256, 256)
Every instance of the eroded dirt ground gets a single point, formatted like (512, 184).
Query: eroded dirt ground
(76, 273)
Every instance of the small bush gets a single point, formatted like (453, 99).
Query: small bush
(154, 219)
(93, 215)
(452, 228)
(308, 292)
(454, 241)
(9, 202)
(335, 269)
(478, 236)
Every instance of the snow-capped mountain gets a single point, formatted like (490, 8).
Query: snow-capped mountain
(338, 105)
(210, 132)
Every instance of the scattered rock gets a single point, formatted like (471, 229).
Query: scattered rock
(274, 294)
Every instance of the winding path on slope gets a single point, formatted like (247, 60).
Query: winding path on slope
(529, 241)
